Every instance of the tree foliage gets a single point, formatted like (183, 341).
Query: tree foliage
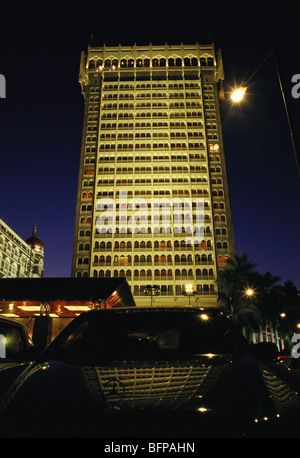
(263, 305)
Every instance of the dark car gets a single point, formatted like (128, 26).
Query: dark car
(15, 342)
(156, 372)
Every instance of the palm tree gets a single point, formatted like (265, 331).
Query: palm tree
(270, 300)
(232, 284)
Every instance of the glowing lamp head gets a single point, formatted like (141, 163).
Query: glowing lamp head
(188, 289)
(238, 94)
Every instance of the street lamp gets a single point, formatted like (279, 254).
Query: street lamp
(249, 292)
(238, 95)
(189, 290)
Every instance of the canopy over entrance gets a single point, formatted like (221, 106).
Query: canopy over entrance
(62, 297)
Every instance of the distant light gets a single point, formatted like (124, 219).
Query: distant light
(77, 308)
(202, 409)
(188, 289)
(29, 308)
(238, 95)
(249, 292)
(204, 316)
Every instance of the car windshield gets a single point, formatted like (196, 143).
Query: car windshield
(109, 335)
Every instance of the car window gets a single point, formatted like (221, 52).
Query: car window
(13, 343)
(144, 333)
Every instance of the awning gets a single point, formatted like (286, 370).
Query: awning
(65, 296)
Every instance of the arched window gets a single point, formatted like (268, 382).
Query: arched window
(92, 64)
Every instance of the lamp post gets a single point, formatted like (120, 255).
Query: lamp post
(239, 93)
(188, 289)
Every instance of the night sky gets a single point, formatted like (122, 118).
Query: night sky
(41, 116)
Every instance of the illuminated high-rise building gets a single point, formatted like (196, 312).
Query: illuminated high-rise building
(153, 202)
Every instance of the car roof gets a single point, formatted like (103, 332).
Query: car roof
(157, 309)
(12, 321)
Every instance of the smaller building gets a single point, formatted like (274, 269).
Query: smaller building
(19, 258)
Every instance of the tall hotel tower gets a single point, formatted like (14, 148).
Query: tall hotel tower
(153, 202)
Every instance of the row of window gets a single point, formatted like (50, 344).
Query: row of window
(149, 158)
(147, 125)
(149, 95)
(150, 105)
(167, 290)
(151, 181)
(141, 260)
(157, 245)
(141, 86)
(168, 274)
(160, 169)
(147, 146)
(154, 115)
(162, 259)
(156, 230)
(216, 205)
(140, 290)
(129, 182)
(161, 157)
(97, 63)
(122, 182)
(13, 251)
(130, 136)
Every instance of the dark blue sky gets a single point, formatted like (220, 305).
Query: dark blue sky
(41, 117)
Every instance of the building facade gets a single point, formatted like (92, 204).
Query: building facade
(19, 258)
(153, 202)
